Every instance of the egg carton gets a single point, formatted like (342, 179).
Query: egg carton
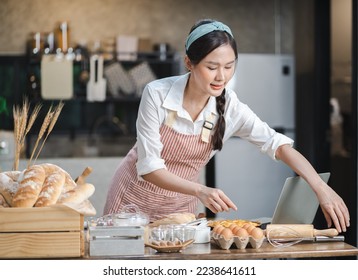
(239, 242)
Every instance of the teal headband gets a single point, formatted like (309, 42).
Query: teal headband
(204, 29)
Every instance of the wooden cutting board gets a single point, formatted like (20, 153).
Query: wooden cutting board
(297, 231)
(56, 78)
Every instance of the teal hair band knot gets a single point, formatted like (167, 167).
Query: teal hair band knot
(204, 29)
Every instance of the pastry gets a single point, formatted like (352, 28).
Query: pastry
(3, 202)
(175, 218)
(30, 187)
(8, 185)
(51, 189)
(78, 194)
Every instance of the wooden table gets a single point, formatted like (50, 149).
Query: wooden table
(210, 251)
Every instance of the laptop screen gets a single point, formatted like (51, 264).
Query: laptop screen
(297, 204)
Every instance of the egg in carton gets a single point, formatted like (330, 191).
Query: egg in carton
(256, 236)
(240, 236)
(224, 239)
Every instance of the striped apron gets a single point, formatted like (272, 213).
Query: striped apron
(184, 155)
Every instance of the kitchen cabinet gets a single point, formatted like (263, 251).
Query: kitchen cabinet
(116, 115)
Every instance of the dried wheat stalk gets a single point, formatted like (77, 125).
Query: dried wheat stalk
(22, 126)
(47, 126)
(55, 115)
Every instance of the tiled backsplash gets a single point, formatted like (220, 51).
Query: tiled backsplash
(253, 22)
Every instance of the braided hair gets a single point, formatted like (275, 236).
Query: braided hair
(220, 126)
(197, 51)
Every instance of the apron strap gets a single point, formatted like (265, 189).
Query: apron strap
(207, 128)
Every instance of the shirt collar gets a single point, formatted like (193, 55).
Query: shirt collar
(174, 98)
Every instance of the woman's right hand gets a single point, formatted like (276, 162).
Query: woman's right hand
(215, 199)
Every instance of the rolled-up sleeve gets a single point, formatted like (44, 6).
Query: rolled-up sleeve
(271, 145)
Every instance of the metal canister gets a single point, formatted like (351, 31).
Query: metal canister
(63, 37)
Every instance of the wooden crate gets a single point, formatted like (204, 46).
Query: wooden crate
(41, 232)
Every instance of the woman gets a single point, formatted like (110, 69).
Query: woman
(183, 121)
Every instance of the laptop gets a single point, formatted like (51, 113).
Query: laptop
(297, 204)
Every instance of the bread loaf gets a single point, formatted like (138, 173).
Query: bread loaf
(51, 189)
(8, 186)
(30, 187)
(78, 194)
(3, 202)
(44, 185)
(69, 183)
(175, 218)
(14, 175)
(85, 207)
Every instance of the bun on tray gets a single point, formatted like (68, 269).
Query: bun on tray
(175, 218)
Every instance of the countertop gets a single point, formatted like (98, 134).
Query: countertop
(210, 251)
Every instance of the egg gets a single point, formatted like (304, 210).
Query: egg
(246, 225)
(227, 233)
(257, 233)
(250, 228)
(232, 226)
(218, 229)
(235, 228)
(241, 232)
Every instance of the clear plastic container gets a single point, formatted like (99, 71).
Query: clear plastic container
(172, 233)
(130, 215)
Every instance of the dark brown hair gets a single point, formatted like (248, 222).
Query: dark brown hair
(197, 51)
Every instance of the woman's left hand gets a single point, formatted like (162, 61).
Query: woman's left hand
(333, 207)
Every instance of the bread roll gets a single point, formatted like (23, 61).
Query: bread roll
(69, 183)
(3, 202)
(51, 189)
(8, 186)
(14, 175)
(79, 194)
(29, 187)
(85, 207)
(175, 218)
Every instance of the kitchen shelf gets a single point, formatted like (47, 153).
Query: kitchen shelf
(78, 117)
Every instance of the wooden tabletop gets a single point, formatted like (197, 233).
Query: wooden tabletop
(210, 251)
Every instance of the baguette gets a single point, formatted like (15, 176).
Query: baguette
(3, 203)
(85, 207)
(79, 194)
(14, 175)
(8, 185)
(69, 183)
(51, 189)
(44, 185)
(30, 187)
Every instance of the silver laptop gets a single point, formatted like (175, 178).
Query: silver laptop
(297, 203)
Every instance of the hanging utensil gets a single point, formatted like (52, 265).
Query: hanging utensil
(96, 86)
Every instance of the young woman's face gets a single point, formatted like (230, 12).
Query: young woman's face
(211, 74)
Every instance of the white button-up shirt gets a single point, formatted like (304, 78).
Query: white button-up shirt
(161, 96)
